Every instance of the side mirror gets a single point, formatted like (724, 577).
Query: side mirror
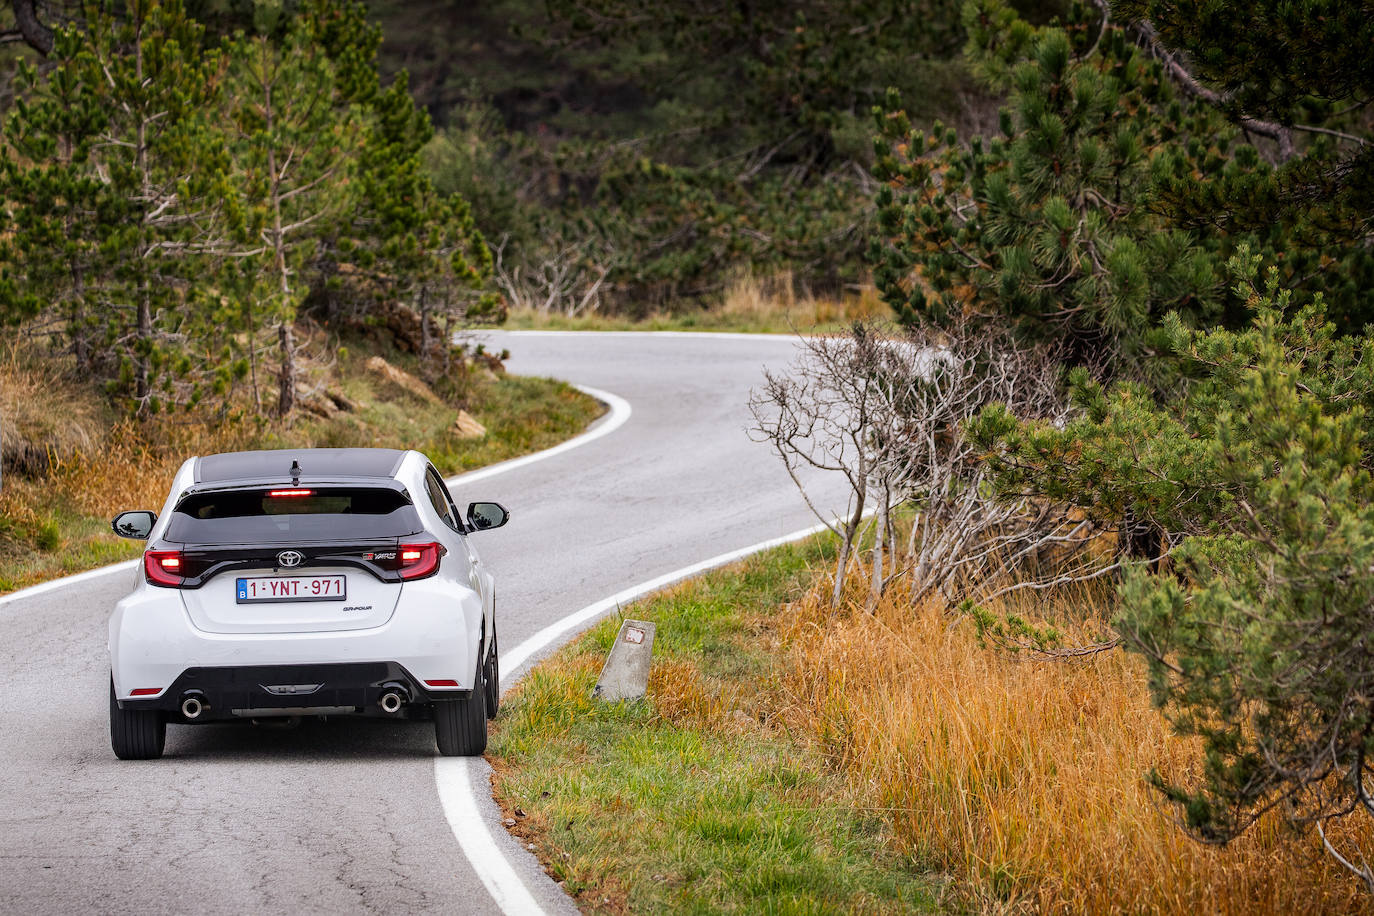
(484, 516)
(136, 525)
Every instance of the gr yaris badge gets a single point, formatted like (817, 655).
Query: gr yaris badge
(290, 558)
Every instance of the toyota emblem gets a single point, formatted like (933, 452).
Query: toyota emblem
(290, 558)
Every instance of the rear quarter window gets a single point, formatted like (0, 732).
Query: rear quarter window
(255, 516)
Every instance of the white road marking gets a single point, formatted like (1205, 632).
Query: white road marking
(67, 580)
(458, 796)
(619, 413)
(457, 793)
(453, 776)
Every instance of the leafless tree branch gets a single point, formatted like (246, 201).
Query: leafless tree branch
(886, 411)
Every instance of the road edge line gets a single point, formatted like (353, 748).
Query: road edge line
(617, 414)
(461, 806)
(457, 796)
(51, 584)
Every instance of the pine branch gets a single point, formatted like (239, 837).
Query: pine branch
(1146, 36)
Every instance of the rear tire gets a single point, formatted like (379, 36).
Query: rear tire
(460, 725)
(136, 734)
(492, 674)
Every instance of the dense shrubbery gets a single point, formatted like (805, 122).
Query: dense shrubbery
(1258, 477)
(635, 154)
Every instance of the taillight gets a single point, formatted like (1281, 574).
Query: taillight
(416, 561)
(165, 567)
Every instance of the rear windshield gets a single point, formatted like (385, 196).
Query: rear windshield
(317, 514)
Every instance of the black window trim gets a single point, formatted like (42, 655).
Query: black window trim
(457, 519)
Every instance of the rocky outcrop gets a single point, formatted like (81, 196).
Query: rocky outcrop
(467, 427)
(402, 380)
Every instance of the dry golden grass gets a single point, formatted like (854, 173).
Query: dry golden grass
(1023, 778)
(135, 462)
(750, 300)
(62, 443)
(43, 416)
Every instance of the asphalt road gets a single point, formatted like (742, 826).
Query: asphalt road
(344, 816)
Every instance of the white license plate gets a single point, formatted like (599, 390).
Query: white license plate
(290, 588)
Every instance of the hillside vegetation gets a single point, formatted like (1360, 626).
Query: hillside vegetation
(72, 462)
(213, 222)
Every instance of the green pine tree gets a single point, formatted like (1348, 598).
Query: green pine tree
(1259, 475)
(114, 172)
(1048, 225)
(294, 139)
(47, 242)
(415, 246)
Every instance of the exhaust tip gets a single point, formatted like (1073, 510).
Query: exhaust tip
(192, 707)
(394, 696)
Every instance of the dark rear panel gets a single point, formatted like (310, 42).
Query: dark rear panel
(376, 557)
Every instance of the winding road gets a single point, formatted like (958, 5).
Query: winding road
(355, 816)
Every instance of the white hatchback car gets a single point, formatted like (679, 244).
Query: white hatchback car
(306, 582)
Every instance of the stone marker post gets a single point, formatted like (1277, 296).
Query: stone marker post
(625, 676)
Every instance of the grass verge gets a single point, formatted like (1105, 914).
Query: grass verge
(794, 758)
(86, 466)
(696, 799)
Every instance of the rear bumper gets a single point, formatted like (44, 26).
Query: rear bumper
(435, 635)
(282, 690)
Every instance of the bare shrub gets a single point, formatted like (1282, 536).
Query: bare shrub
(832, 411)
(886, 409)
(566, 280)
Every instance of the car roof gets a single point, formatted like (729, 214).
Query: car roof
(306, 465)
